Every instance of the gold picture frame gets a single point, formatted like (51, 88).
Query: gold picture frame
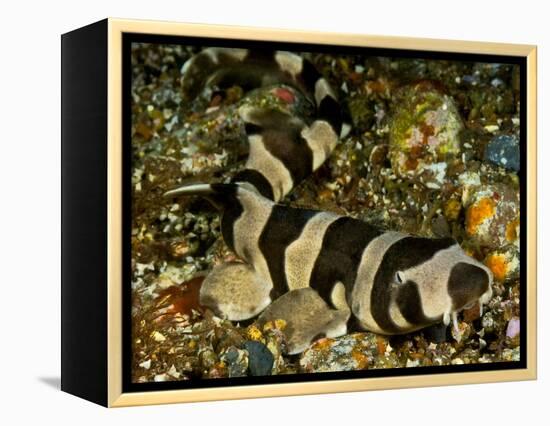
(108, 388)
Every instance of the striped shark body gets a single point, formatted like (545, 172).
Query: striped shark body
(283, 148)
(322, 272)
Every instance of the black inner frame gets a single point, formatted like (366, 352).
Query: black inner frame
(129, 386)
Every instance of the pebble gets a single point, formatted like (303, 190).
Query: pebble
(512, 330)
(275, 341)
(208, 358)
(493, 322)
(463, 332)
(146, 364)
(511, 354)
(492, 215)
(219, 370)
(468, 356)
(260, 359)
(424, 135)
(160, 377)
(472, 313)
(159, 337)
(503, 150)
(356, 351)
(236, 361)
(504, 263)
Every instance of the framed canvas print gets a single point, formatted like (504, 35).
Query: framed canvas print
(250, 212)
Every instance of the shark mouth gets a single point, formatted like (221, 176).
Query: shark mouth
(453, 315)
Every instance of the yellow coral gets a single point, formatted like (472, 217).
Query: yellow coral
(452, 209)
(254, 333)
(498, 264)
(278, 324)
(477, 213)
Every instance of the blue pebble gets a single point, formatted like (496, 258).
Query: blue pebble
(471, 79)
(260, 359)
(503, 150)
(497, 82)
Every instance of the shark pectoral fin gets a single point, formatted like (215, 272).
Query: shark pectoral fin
(234, 291)
(307, 318)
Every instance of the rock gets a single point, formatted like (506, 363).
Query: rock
(387, 360)
(207, 358)
(260, 359)
(467, 356)
(228, 338)
(493, 322)
(472, 313)
(146, 364)
(275, 341)
(492, 215)
(512, 330)
(158, 337)
(503, 150)
(488, 322)
(160, 377)
(504, 263)
(424, 134)
(219, 370)
(173, 372)
(462, 333)
(236, 361)
(511, 354)
(412, 363)
(356, 351)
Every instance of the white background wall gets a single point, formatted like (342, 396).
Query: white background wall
(30, 200)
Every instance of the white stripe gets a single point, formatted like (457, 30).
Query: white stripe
(214, 53)
(346, 128)
(338, 296)
(398, 318)
(238, 54)
(321, 139)
(248, 228)
(186, 65)
(289, 62)
(370, 262)
(301, 254)
(271, 167)
(322, 89)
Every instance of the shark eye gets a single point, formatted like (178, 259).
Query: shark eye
(399, 278)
